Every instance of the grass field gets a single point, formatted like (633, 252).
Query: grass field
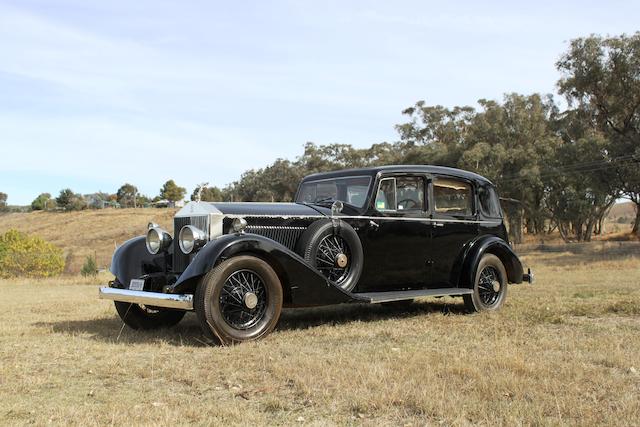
(564, 351)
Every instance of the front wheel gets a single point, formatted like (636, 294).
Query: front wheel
(490, 285)
(239, 300)
(138, 316)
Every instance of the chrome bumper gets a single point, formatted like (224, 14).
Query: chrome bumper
(156, 299)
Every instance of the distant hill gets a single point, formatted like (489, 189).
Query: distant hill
(98, 231)
(86, 232)
(626, 210)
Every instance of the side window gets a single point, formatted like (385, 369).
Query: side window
(452, 197)
(489, 203)
(400, 194)
(386, 197)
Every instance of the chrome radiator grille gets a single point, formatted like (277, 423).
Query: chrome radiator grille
(180, 260)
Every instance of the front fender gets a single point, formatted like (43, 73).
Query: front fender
(304, 285)
(490, 245)
(131, 260)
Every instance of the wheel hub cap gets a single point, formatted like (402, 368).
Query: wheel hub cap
(342, 260)
(495, 285)
(250, 300)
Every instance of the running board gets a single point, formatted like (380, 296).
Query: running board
(378, 297)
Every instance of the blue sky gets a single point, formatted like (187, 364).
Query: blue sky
(95, 94)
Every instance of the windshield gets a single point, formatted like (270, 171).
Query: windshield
(351, 190)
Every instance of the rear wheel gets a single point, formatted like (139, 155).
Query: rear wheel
(490, 285)
(138, 316)
(239, 300)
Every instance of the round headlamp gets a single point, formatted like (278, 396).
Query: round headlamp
(239, 224)
(191, 239)
(158, 240)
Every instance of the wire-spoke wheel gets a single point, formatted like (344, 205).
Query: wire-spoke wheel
(243, 300)
(490, 287)
(334, 250)
(239, 300)
(332, 258)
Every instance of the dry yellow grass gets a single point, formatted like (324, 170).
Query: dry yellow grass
(89, 232)
(564, 351)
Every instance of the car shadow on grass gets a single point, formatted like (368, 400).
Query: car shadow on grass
(305, 318)
(188, 333)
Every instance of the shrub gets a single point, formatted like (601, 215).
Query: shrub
(29, 256)
(90, 268)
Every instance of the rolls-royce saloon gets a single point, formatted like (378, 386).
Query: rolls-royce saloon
(374, 235)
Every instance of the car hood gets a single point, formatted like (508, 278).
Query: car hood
(266, 209)
(252, 209)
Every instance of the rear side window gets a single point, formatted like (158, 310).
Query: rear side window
(452, 197)
(489, 203)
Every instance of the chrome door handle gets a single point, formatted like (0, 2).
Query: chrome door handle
(374, 225)
(438, 224)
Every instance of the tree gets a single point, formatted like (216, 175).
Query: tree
(42, 202)
(90, 267)
(68, 200)
(127, 196)
(600, 76)
(511, 144)
(3, 200)
(580, 195)
(172, 192)
(29, 256)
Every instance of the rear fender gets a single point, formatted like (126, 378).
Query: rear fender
(490, 245)
(304, 285)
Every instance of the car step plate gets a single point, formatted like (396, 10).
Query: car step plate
(378, 297)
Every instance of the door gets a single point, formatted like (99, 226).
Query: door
(454, 226)
(396, 238)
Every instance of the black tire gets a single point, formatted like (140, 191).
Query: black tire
(141, 317)
(322, 235)
(485, 296)
(221, 300)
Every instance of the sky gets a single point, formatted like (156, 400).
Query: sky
(94, 94)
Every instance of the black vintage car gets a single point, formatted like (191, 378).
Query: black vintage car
(374, 235)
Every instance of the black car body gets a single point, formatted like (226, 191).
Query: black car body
(370, 235)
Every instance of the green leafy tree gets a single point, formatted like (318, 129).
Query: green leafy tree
(42, 202)
(172, 192)
(582, 193)
(127, 196)
(511, 143)
(68, 200)
(600, 76)
(90, 267)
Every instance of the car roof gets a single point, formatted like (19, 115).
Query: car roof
(373, 171)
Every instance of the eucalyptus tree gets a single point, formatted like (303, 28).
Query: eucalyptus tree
(580, 182)
(601, 76)
(512, 143)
